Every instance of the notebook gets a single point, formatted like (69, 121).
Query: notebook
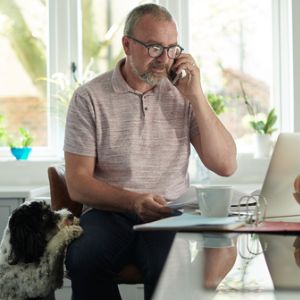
(278, 186)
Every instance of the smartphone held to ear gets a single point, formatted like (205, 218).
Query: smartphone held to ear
(174, 77)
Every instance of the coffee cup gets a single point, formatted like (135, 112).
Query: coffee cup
(214, 200)
(217, 240)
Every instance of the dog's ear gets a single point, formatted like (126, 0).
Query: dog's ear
(27, 246)
(27, 241)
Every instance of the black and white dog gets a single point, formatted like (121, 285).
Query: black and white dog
(32, 250)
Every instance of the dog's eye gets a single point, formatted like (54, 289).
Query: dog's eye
(44, 217)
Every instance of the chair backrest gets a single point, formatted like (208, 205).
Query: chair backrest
(60, 197)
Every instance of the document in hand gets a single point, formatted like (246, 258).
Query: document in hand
(189, 198)
(192, 222)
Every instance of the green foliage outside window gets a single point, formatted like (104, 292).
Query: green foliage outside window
(31, 51)
(217, 102)
(261, 124)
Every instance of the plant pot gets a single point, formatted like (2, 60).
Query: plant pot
(263, 145)
(20, 153)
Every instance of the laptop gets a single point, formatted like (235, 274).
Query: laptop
(278, 186)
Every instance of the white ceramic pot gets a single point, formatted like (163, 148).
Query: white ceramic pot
(263, 145)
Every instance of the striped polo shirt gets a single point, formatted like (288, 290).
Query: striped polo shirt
(141, 141)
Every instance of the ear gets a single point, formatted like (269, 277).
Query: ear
(126, 45)
(26, 245)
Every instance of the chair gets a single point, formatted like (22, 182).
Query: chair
(60, 198)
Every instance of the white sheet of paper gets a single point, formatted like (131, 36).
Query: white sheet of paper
(188, 198)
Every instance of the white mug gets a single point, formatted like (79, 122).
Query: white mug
(214, 201)
(217, 240)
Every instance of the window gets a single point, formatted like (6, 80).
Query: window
(232, 42)
(230, 39)
(23, 60)
(102, 31)
(282, 19)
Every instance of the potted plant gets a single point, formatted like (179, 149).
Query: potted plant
(263, 126)
(20, 147)
(263, 137)
(266, 125)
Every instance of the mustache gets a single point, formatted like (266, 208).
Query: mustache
(159, 65)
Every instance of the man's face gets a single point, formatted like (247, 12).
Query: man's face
(150, 30)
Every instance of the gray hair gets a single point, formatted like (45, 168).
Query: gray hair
(157, 11)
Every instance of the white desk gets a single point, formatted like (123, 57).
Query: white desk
(204, 266)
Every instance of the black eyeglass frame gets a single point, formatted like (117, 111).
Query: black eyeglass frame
(157, 45)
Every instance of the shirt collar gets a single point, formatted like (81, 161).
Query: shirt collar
(118, 82)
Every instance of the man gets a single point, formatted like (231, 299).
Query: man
(127, 146)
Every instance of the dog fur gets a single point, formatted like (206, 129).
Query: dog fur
(32, 250)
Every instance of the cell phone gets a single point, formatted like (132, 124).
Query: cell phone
(173, 77)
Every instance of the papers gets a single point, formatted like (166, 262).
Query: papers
(188, 198)
(238, 194)
(192, 222)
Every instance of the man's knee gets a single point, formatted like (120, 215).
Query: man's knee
(84, 261)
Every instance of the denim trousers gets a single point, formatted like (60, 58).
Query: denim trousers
(106, 245)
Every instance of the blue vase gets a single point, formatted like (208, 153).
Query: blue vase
(20, 153)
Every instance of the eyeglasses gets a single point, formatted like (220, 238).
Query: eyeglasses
(156, 50)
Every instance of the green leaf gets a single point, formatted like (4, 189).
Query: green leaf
(217, 103)
(26, 138)
(270, 122)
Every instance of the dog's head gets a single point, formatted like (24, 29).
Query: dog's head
(31, 226)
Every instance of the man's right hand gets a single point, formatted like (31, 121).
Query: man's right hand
(83, 187)
(151, 207)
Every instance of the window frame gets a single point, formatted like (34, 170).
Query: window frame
(65, 46)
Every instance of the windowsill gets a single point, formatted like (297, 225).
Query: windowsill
(34, 171)
(26, 172)
(37, 154)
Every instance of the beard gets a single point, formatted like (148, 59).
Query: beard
(149, 76)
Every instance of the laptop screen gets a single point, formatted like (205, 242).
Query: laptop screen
(278, 186)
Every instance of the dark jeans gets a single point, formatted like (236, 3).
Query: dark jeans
(107, 244)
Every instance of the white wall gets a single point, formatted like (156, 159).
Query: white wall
(28, 172)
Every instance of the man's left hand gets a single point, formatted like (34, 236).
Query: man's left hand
(190, 85)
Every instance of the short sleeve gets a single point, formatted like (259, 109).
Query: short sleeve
(80, 130)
